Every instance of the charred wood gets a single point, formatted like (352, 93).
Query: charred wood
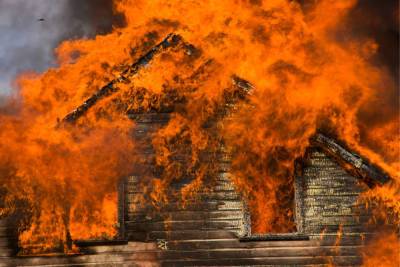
(350, 161)
(170, 41)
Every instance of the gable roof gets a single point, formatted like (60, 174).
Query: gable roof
(346, 158)
(349, 160)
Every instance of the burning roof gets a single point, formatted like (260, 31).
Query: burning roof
(350, 160)
(302, 77)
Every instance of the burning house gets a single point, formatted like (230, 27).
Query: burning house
(180, 205)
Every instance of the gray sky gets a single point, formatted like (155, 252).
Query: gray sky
(28, 44)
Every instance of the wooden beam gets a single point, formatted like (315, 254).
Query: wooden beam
(349, 160)
(170, 41)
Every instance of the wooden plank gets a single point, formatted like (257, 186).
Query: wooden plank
(150, 117)
(182, 225)
(186, 215)
(325, 178)
(224, 186)
(331, 191)
(320, 200)
(261, 252)
(221, 195)
(108, 243)
(275, 237)
(137, 236)
(4, 222)
(273, 261)
(191, 234)
(135, 196)
(211, 205)
(170, 41)
(7, 233)
(339, 220)
(317, 229)
(8, 242)
(6, 252)
(235, 243)
(133, 247)
(86, 260)
(350, 160)
(230, 205)
(201, 206)
(336, 240)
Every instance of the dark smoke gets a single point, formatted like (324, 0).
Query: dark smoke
(97, 14)
(379, 21)
(27, 44)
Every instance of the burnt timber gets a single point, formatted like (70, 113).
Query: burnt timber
(358, 165)
(170, 41)
(215, 229)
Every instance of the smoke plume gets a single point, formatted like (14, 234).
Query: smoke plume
(27, 42)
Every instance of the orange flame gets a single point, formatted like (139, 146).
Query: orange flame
(305, 78)
(382, 251)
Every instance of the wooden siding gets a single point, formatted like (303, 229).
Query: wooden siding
(204, 232)
(329, 197)
(205, 252)
(217, 213)
(8, 238)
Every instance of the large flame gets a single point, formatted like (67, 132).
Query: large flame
(383, 250)
(306, 76)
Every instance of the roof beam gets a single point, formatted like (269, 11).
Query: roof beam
(171, 40)
(349, 160)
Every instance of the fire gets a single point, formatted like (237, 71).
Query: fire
(65, 177)
(382, 251)
(304, 77)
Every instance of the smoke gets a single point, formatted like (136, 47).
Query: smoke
(27, 44)
(379, 21)
(373, 26)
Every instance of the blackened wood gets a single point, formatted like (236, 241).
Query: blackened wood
(150, 118)
(170, 41)
(183, 225)
(192, 234)
(87, 243)
(274, 237)
(357, 164)
(180, 215)
(299, 195)
(330, 196)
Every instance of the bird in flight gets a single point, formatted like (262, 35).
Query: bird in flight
(41, 19)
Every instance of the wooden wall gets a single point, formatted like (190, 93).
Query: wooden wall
(205, 232)
(8, 238)
(216, 213)
(329, 197)
(326, 197)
